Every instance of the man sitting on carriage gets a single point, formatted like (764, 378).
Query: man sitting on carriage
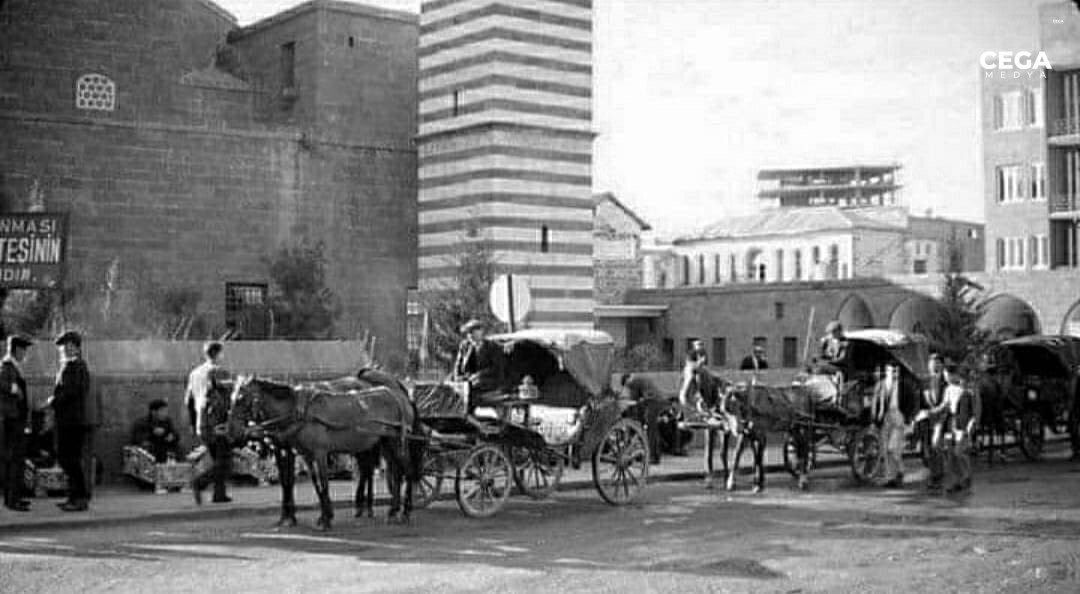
(480, 362)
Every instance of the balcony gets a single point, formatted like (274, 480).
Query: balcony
(1064, 206)
(1065, 132)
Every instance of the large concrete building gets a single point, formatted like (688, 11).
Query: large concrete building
(187, 149)
(843, 185)
(505, 146)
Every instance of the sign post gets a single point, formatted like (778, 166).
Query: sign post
(510, 299)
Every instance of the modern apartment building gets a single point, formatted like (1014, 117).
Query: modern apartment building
(1031, 153)
(844, 186)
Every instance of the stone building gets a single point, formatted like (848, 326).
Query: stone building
(505, 146)
(814, 244)
(617, 256)
(187, 149)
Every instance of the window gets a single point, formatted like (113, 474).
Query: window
(731, 268)
(1010, 183)
(761, 272)
(919, 267)
(1035, 107)
(288, 65)
(791, 351)
(701, 269)
(352, 41)
(414, 322)
(780, 265)
(1038, 251)
(798, 265)
(1038, 181)
(778, 310)
(844, 270)
(686, 270)
(245, 309)
(1014, 253)
(456, 101)
(719, 352)
(668, 350)
(545, 239)
(1009, 111)
(95, 92)
(973, 233)
(815, 255)
(717, 276)
(1000, 253)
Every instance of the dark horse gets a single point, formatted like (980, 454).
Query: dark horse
(318, 420)
(755, 411)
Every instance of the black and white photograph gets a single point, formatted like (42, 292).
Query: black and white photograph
(567, 296)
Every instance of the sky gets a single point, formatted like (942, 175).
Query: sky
(693, 97)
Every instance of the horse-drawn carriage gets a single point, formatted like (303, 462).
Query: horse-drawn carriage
(842, 394)
(557, 408)
(1037, 379)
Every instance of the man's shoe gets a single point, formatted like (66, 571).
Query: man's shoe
(75, 506)
(222, 499)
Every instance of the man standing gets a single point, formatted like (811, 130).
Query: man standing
(14, 424)
(651, 403)
(931, 430)
(833, 345)
(957, 414)
(69, 405)
(207, 402)
(479, 361)
(155, 433)
(887, 413)
(755, 361)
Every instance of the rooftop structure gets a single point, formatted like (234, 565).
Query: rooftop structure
(845, 186)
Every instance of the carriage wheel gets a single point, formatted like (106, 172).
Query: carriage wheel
(1031, 435)
(620, 464)
(791, 456)
(537, 472)
(864, 453)
(427, 489)
(484, 481)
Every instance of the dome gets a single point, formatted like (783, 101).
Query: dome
(1006, 317)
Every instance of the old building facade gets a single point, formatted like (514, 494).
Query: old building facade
(186, 149)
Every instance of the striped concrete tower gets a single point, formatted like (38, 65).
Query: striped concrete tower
(505, 146)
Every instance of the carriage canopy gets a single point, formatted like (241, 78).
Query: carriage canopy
(871, 348)
(587, 356)
(1046, 356)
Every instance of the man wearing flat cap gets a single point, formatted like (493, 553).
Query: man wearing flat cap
(479, 361)
(69, 402)
(14, 423)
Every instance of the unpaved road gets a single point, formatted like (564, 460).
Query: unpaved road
(1018, 532)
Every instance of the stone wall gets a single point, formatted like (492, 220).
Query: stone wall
(129, 374)
(199, 174)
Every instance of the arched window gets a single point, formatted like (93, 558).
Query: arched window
(798, 264)
(95, 92)
(701, 269)
(815, 255)
(686, 270)
(732, 268)
(717, 275)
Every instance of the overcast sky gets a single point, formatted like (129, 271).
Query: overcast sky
(692, 97)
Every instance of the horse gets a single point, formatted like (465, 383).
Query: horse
(755, 411)
(317, 422)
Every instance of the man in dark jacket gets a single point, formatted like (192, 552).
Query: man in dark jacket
(755, 361)
(14, 422)
(651, 403)
(479, 361)
(155, 433)
(69, 402)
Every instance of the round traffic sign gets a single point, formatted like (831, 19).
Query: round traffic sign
(510, 298)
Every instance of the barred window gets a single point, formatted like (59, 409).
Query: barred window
(95, 92)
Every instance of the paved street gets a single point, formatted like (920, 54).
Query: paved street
(1019, 531)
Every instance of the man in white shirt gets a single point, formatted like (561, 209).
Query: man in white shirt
(207, 401)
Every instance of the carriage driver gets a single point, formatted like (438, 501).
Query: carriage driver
(479, 361)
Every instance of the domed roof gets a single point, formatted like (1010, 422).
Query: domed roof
(1006, 316)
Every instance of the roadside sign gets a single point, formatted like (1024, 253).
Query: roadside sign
(510, 299)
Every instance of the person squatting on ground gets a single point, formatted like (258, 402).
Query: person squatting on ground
(155, 433)
(14, 424)
(69, 404)
(207, 402)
